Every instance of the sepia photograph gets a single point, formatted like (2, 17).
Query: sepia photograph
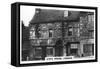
(50, 34)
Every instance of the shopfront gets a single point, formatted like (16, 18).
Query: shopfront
(87, 47)
(72, 49)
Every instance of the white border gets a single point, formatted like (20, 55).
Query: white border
(42, 61)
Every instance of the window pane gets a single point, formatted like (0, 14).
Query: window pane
(49, 51)
(38, 52)
(70, 31)
(88, 49)
(74, 46)
(51, 33)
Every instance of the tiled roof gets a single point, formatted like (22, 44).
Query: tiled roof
(49, 15)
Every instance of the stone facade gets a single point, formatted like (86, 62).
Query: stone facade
(54, 35)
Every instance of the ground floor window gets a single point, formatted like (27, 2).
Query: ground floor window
(38, 52)
(49, 51)
(88, 49)
(74, 52)
(72, 49)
